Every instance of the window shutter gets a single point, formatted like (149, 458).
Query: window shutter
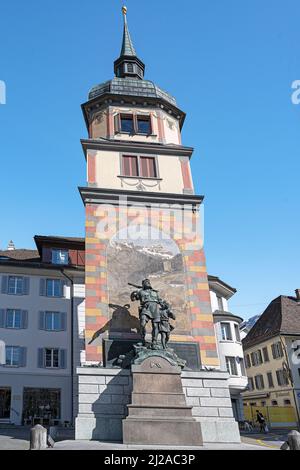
(26, 284)
(40, 358)
(24, 320)
(42, 320)
(23, 357)
(4, 285)
(43, 287)
(2, 318)
(63, 358)
(63, 321)
(63, 284)
(117, 123)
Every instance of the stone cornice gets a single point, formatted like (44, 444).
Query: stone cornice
(145, 198)
(136, 147)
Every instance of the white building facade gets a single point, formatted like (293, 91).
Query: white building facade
(227, 327)
(40, 303)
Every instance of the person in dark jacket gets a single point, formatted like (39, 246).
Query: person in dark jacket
(261, 421)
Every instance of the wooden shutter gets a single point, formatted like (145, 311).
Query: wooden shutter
(73, 257)
(117, 123)
(81, 258)
(40, 361)
(63, 358)
(23, 357)
(4, 285)
(2, 317)
(26, 285)
(63, 321)
(42, 320)
(43, 287)
(24, 319)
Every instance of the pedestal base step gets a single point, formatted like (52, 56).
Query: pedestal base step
(162, 432)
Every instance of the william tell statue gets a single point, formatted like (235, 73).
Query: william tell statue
(153, 308)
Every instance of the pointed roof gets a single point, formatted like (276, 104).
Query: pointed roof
(282, 316)
(127, 45)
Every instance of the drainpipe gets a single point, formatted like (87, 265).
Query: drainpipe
(72, 342)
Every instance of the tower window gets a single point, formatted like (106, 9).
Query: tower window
(143, 167)
(144, 124)
(130, 68)
(130, 166)
(127, 124)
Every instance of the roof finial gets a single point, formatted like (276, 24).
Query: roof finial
(124, 10)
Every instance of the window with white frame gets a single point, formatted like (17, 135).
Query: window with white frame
(53, 321)
(226, 331)
(53, 288)
(13, 318)
(256, 358)
(15, 285)
(60, 257)
(52, 358)
(242, 365)
(270, 379)
(250, 384)
(231, 365)
(12, 356)
(237, 332)
(220, 303)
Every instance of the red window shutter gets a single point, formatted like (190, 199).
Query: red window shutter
(73, 257)
(81, 258)
(117, 123)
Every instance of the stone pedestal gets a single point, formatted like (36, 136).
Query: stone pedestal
(158, 414)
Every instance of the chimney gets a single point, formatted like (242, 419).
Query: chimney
(297, 291)
(11, 246)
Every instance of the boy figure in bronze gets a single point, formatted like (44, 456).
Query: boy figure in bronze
(165, 328)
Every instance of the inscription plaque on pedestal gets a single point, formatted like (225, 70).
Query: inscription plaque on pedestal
(113, 348)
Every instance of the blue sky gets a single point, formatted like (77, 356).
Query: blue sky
(230, 64)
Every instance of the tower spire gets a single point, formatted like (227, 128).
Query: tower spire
(128, 64)
(127, 45)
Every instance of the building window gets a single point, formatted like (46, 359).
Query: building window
(237, 332)
(277, 350)
(274, 403)
(127, 124)
(250, 384)
(53, 288)
(248, 362)
(253, 403)
(41, 403)
(259, 382)
(130, 68)
(256, 358)
(220, 303)
(15, 356)
(143, 167)
(13, 318)
(266, 354)
(53, 321)
(52, 358)
(231, 365)
(226, 332)
(133, 124)
(282, 378)
(144, 125)
(263, 403)
(15, 285)
(60, 257)
(243, 370)
(287, 402)
(270, 380)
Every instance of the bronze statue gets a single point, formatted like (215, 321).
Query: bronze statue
(153, 308)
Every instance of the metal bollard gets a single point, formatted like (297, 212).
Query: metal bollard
(38, 438)
(294, 440)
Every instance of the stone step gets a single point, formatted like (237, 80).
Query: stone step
(157, 412)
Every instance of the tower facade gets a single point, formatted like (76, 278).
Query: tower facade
(142, 217)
